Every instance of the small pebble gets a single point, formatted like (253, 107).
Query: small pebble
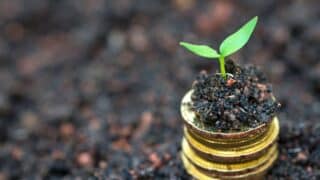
(17, 153)
(84, 159)
(156, 161)
(302, 156)
(67, 130)
(230, 82)
(103, 164)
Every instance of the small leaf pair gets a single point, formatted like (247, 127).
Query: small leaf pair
(230, 45)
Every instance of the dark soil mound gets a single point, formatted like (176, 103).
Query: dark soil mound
(244, 100)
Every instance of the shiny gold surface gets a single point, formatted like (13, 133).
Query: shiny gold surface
(223, 167)
(243, 150)
(189, 118)
(255, 175)
(227, 143)
(236, 155)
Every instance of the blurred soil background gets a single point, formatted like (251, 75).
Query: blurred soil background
(92, 88)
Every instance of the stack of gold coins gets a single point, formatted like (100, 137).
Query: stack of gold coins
(214, 155)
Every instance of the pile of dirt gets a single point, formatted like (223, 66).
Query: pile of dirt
(241, 101)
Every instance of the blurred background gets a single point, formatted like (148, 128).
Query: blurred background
(91, 88)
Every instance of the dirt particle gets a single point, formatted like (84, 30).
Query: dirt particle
(283, 157)
(15, 31)
(301, 156)
(230, 82)
(103, 164)
(167, 156)
(3, 176)
(184, 5)
(57, 154)
(30, 121)
(217, 15)
(67, 130)
(84, 159)
(262, 87)
(145, 123)
(155, 159)
(17, 153)
(122, 144)
(138, 39)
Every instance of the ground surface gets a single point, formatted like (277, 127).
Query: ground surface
(92, 88)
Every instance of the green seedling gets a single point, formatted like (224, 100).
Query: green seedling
(230, 45)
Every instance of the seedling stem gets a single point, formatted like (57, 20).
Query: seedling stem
(222, 67)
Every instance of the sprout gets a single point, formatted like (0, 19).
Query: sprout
(230, 45)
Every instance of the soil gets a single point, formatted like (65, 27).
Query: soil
(92, 89)
(242, 101)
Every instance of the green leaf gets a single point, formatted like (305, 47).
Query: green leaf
(200, 50)
(238, 39)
